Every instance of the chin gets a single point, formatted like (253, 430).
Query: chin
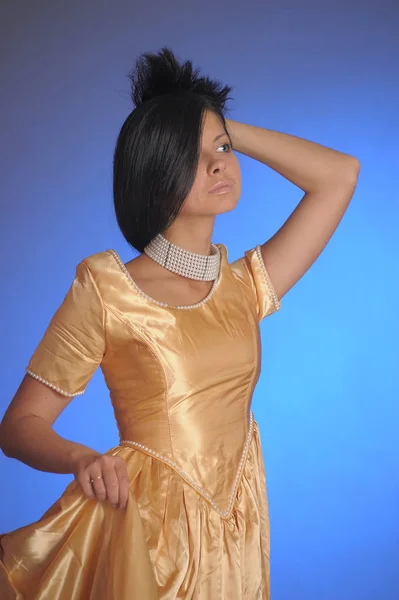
(226, 204)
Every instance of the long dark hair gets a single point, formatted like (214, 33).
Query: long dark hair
(157, 150)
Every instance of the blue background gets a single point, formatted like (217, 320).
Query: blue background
(327, 399)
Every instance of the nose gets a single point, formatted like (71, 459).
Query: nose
(218, 166)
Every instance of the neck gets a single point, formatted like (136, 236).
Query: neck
(191, 235)
(182, 261)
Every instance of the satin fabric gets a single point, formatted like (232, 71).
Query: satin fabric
(181, 382)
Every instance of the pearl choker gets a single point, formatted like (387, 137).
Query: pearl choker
(184, 262)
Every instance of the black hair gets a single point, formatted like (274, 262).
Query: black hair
(157, 150)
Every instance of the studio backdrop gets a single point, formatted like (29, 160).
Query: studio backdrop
(327, 401)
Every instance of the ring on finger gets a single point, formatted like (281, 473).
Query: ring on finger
(99, 477)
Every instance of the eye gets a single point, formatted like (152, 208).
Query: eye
(227, 147)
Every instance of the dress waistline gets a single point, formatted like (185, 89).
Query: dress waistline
(225, 514)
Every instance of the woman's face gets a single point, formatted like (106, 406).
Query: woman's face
(217, 163)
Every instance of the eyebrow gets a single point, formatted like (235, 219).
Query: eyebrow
(220, 136)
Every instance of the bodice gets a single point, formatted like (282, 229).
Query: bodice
(181, 379)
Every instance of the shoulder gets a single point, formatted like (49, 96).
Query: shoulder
(240, 268)
(250, 272)
(93, 271)
(98, 261)
(97, 265)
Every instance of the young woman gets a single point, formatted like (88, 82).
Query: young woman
(178, 509)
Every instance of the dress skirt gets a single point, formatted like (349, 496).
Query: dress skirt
(168, 544)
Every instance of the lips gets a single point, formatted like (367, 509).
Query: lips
(221, 187)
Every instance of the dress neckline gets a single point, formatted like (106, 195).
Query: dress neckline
(138, 289)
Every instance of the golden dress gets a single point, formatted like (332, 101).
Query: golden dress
(181, 380)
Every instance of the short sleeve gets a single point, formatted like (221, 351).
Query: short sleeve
(73, 344)
(251, 270)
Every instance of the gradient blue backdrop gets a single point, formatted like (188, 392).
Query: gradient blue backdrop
(327, 399)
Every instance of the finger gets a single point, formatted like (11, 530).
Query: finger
(83, 479)
(98, 487)
(121, 471)
(110, 479)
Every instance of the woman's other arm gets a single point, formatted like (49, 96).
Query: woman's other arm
(27, 434)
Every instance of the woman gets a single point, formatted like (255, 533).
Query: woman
(178, 509)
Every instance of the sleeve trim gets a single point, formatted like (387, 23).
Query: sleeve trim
(52, 386)
(276, 301)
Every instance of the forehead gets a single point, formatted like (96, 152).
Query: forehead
(211, 127)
